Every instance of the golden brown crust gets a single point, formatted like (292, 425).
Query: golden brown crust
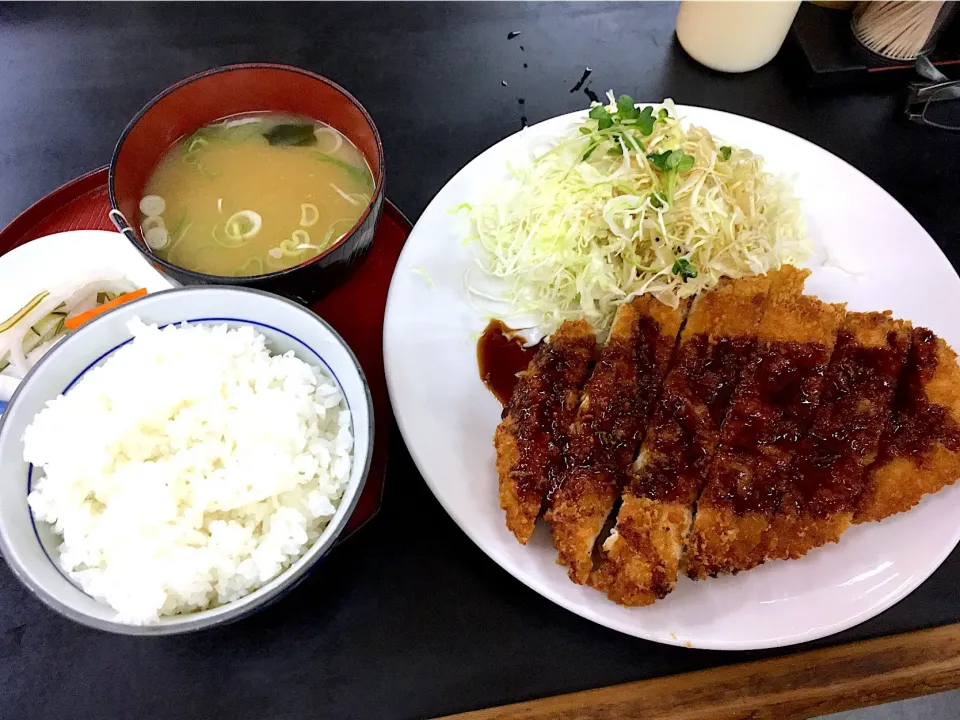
(642, 554)
(790, 316)
(724, 541)
(522, 509)
(901, 483)
(641, 559)
(531, 439)
(920, 451)
(580, 510)
(771, 410)
(733, 308)
(609, 424)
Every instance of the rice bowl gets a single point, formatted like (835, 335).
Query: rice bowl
(210, 593)
(194, 488)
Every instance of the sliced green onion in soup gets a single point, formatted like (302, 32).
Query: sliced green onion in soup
(240, 129)
(338, 228)
(309, 215)
(180, 229)
(240, 228)
(288, 248)
(275, 258)
(157, 238)
(345, 196)
(243, 225)
(296, 244)
(151, 222)
(358, 174)
(221, 239)
(194, 144)
(324, 136)
(302, 240)
(152, 205)
(217, 235)
(190, 159)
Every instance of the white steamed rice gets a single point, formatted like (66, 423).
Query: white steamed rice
(189, 469)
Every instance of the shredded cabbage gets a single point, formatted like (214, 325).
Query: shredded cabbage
(605, 215)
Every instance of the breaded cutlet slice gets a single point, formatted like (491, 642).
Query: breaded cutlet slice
(531, 439)
(770, 413)
(920, 449)
(830, 466)
(610, 422)
(640, 559)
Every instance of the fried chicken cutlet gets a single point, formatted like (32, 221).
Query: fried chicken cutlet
(609, 425)
(642, 556)
(830, 466)
(920, 449)
(771, 410)
(531, 439)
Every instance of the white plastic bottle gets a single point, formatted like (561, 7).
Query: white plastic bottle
(734, 36)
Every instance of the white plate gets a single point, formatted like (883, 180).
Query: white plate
(447, 416)
(52, 259)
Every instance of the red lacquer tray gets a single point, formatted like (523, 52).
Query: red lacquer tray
(355, 309)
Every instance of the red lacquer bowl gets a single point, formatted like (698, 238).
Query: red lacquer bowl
(233, 90)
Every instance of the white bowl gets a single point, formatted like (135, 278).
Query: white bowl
(31, 548)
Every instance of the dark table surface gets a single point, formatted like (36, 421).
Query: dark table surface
(408, 618)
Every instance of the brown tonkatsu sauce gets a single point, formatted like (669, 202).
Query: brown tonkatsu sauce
(543, 406)
(686, 428)
(621, 391)
(774, 407)
(501, 355)
(918, 423)
(843, 441)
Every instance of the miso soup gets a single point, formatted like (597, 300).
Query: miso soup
(254, 194)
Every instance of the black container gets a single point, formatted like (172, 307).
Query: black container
(235, 90)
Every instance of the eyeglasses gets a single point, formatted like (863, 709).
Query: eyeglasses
(936, 102)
